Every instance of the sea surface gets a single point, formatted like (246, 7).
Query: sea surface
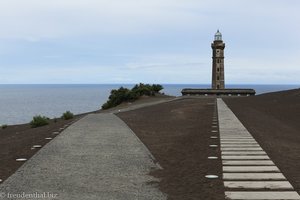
(19, 103)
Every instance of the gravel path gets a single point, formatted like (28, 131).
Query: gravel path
(98, 157)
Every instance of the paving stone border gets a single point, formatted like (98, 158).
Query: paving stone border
(248, 172)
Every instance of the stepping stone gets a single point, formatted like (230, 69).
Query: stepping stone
(258, 195)
(48, 138)
(55, 133)
(235, 137)
(213, 145)
(21, 159)
(244, 153)
(241, 149)
(238, 142)
(213, 137)
(37, 146)
(250, 169)
(247, 162)
(211, 176)
(0, 180)
(239, 145)
(214, 131)
(273, 185)
(234, 132)
(246, 157)
(253, 176)
(212, 158)
(238, 139)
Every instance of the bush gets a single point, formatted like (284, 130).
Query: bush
(125, 95)
(67, 115)
(156, 87)
(38, 121)
(4, 126)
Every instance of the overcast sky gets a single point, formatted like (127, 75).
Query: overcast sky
(152, 41)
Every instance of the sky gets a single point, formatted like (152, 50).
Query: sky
(157, 41)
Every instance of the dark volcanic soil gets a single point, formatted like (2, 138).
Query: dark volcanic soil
(274, 121)
(16, 142)
(178, 135)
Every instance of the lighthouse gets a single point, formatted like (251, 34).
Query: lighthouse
(218, 46)
(218, 76)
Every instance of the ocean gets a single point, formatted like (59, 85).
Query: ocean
(19, 103)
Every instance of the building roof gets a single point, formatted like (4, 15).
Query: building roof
(218, 35)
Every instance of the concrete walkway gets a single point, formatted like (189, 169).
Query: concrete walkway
(98, 157)
(248, 172)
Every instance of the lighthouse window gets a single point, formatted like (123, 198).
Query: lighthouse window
(218, 69)
(218, 78)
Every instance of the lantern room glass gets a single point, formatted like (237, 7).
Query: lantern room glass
(218, 35)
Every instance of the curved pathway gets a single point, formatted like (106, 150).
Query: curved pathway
(98, 157)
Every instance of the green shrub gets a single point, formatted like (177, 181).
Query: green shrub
(67, 115)
(156, 87)
(38, 121)
(125, 95)
(4, 126)
(143, 89)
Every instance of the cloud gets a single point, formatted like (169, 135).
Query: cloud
(64, 18)
(105, 41)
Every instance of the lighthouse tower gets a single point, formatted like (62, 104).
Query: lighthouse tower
(218, 79)
(218, 47)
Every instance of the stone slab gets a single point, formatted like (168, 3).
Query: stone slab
(253, 176)
(247, 162)
(246, 157)
(238, 142)
(241, 148)
(240, 145)
(250, 169)
(244, 153)
(237, 139)
(258, 195)
(236, 135)
(273, 185)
